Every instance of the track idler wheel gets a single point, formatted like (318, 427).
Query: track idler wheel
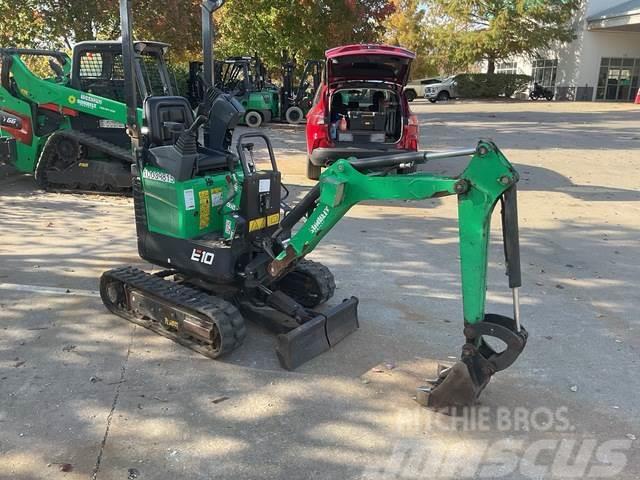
(309, 283)
(461, 384)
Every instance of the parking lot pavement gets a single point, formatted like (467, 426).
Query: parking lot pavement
(84, 394)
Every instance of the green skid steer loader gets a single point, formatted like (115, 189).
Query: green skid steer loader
(231, 249)
(68, 129)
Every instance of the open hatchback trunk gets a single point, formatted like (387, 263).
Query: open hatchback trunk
(381, 63)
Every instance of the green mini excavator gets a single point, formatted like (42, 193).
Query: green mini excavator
(231, 249)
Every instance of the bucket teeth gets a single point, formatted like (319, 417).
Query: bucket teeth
(458, 385)
(455, 388)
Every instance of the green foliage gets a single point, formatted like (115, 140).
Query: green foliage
(462, 32)
(491, 85)
(303, 28)
(405, 27)
(20, 23)
(180, 72)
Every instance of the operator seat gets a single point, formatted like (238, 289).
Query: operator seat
(162, 114)
(160, 111)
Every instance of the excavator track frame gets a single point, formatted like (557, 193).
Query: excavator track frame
(177, 312)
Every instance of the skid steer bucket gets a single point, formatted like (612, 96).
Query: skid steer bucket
(318, 334)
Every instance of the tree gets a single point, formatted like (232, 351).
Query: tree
(22, 25)
(304, 28)
(467, 31)
(406, 27)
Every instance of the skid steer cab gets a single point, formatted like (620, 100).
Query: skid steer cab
(62, 119)
(231, 249)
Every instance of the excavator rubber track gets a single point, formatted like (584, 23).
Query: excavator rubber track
(78, 174)
(197, 320)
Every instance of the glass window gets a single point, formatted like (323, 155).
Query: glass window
(507, 67)
(545, 72)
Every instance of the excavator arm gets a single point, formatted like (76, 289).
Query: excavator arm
(489, 178)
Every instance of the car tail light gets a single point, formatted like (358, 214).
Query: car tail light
(318, 132)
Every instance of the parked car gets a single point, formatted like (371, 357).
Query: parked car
(416, 88)
(360, 109)
(442, 91)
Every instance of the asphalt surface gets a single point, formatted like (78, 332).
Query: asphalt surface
(85, 394)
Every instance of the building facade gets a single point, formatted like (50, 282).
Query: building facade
(601, 64)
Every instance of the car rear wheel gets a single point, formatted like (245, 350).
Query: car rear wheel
(253, 119)
(313, 171)
(410, 94)
(443, 96)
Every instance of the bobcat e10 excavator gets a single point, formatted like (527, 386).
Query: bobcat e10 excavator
(231, 249)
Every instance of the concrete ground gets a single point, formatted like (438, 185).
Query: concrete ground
(85, 394)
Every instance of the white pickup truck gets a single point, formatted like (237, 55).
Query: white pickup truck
(442, 91)
(416, 88)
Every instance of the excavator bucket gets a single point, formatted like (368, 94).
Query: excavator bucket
(461, 384)
(318, 334)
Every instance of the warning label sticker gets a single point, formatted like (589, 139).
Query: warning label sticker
(205, 208)
(257, 224)
(216, 197)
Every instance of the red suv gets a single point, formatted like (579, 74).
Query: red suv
(360, 109)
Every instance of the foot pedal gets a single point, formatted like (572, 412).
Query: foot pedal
(318, 334)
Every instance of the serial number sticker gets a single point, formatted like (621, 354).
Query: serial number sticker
(110, 124)
(189, 199)
(158, 176)
(205, 208)
(264, 185)
(257, 224)
(216, 197)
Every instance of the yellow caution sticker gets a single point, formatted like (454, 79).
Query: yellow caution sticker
(205, 208)
(273, 219)
(83, 164)
(257, 224)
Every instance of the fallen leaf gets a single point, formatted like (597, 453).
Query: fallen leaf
(66, 467)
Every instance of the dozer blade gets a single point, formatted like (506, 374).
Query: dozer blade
(318, 334)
